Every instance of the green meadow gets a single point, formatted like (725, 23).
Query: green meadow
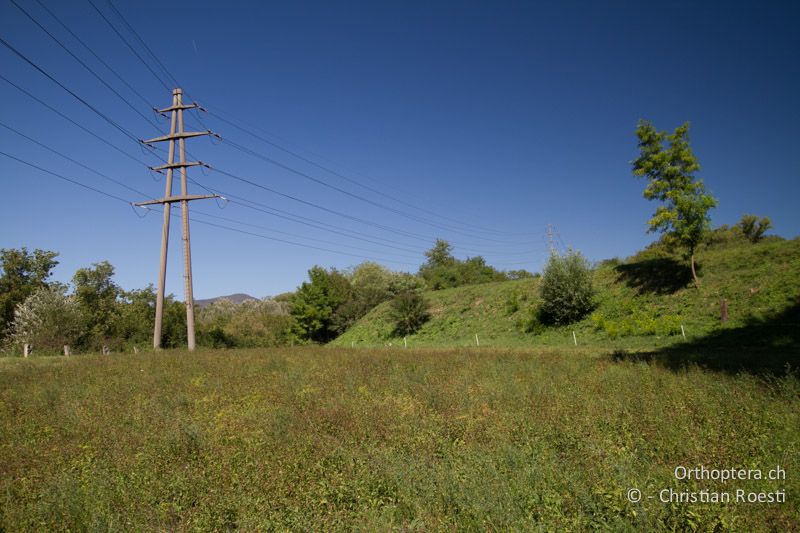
(379, 439)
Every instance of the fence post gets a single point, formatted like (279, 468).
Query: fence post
(477, 342)
(405, 342)
(66, 350)
(135, 349)
(574, 338)
(683, 332)
(723, 310)
(26, 349)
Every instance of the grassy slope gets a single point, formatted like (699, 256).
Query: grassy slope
(314, 439)
(771, 269)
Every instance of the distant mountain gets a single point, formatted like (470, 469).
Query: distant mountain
(235, 298)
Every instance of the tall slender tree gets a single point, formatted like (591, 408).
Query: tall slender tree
(670, 171)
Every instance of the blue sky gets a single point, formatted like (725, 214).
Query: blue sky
(504, 115)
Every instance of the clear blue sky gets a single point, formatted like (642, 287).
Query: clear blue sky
(505, 115)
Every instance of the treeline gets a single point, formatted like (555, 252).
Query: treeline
(93, 311)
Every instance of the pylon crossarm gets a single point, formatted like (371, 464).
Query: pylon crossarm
(176, 107)
(177, 198)
(179, 165)
(175, 136)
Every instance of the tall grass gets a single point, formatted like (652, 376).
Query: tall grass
(330, 439)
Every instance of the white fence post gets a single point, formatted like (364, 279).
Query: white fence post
(574, 338)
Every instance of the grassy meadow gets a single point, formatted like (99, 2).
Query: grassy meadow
(320, 439)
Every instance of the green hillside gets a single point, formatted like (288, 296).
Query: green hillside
(642, 303)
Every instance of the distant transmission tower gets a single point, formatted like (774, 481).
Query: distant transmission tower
(176, 133)
(551, 239)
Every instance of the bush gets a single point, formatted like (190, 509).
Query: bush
(409, 311)
(566, 289)
(48, 319)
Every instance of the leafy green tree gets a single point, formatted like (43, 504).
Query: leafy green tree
(136, 315)
(23, 273)
(409, 311)
(315, 302)
(683, 214)
(96, 294)
(754, 228)
(47, 319)
(566, 289)
(443, 271)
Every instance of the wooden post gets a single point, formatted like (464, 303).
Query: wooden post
(477, 342)
(723, 310)
(683, 332)
(574, 338)
(66, 350)
(26, 349)
(405, 342)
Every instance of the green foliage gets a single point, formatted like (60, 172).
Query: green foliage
(253, 323)
(173, 328)
(96, 295)
(332, 439)
(566, 290)
(683, 212)
(754, 228)
(442, 271)
(409, 310)
(315, 302)
(23, 273)
(635, 322)
(135, 317)
(48, 319)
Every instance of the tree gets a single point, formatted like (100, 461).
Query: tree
(566, 289)
(753, 228)
(23, 273)
(443, 271)
(683, 215)
(96, 294)
(409, 310)
(48, 319)
(314, 304)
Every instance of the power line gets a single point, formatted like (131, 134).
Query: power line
(84, 65)
(91, 51)
(351, 180)
(68, 158)
(129, 45)
(60, 176)
(65, 117)
(380, 205)
(81, 100)
(144, 44)
(123, 200)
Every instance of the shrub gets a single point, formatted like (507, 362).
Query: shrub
(409, 311)
(754, 228)
(566, 289)
(47, 319)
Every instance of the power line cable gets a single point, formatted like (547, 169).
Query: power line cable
(84, 65)
(304, 175)
(96, 56)
(65, 117)
(81, 100)
(132, 49)
(353, 181)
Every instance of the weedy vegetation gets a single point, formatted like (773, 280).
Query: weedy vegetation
(321, 439)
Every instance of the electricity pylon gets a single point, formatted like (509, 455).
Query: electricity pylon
(176, 133)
